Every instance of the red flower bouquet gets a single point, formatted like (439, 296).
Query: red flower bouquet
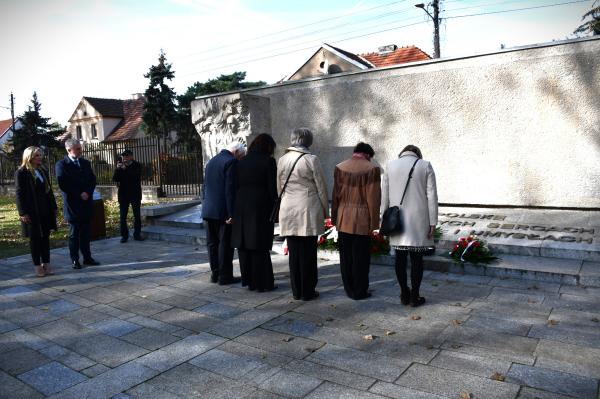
(329, 241)
(471, 249)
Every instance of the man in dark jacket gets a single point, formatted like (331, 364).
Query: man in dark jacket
(218, 198)
(77, 183)
(128, 176)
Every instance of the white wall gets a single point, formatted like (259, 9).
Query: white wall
(519, 127)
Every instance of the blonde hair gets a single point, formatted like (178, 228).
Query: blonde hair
(28, 155)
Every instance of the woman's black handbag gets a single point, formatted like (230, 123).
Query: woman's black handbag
(274, 217)
(393, 220)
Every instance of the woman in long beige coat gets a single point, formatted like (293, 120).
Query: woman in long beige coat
(420, 211)
(304, 207)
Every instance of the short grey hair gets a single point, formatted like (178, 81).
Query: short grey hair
(301, 137)
(236, 146)
(70, 143)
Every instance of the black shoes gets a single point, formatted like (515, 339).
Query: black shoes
(123, 240)
(90, 262)
(314, 296)
(417, 301)
(232, 280)
(76, 264)
(138, 238)
(214, 278)
(361, 297)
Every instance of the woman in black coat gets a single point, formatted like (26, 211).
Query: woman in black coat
(37, 208)
(252, 232)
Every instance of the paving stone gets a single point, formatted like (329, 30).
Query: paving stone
(532, 393)
(570, 335)
(553, 381)
(184, 302)
(451, 384)
(146, 391)
(260, 394)
(183, 333)
(290, 384)
(500, 325)
(6, 326)
(399, 392)
(18, 291)
(63, 332)
(86, 316)
(27, 316)
(271, 358)
(154, 324)
(568, 358)
(27, 339)
(52, 378)
(225, 363)
(368, 364)
(110, 383)
(107, 350)
(462, 362)
(219, 310)
(140, 306)
(21, 360)
(95, 370)
(332, 391)
(12, 388)
(283, 344)
(101, 295)
(242, 323)
(149, 339)
(330, 374)
(67, 357)
(60, 307)
(115, 327)
(187, 319)
(121, 396)
(180, 351)
(112, 311)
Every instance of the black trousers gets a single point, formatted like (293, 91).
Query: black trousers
(137, 219)
(220, 252)
(40, 249)
(355, 262)
(79, 239)
(416, 271)
(257, 269)
(303, 265)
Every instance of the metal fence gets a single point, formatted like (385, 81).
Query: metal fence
(176, 169)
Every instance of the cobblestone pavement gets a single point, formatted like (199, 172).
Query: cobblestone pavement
(147, 323)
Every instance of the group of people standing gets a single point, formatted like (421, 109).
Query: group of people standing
(37, 207)
(241, 192)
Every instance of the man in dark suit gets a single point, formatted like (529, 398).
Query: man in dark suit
(128, 176)
(218, 199)
(77, 183)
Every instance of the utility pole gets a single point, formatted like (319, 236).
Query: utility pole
(12, 111)
(435, 4)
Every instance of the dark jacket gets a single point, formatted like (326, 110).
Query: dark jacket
(218, 190)
(129, 181)
(73, 181)
(255, 197)
(34, 201)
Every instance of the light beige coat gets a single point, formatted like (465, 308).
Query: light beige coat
(420, 206)
(304, 205)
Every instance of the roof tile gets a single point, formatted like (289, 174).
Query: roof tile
(401, 55)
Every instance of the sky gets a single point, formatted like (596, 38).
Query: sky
(67, 49)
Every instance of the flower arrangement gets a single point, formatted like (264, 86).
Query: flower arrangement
(471, 249)
(329, 240)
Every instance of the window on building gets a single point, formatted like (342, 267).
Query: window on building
(78, 132)
(94, 131)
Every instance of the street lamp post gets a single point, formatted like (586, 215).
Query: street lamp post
(436, 24)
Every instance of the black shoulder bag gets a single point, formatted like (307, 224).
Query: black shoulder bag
(274, 218)
(392, 220)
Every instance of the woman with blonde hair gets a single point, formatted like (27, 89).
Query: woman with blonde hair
(37, 208)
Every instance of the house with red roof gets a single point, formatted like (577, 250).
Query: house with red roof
(328, 60)
(6, 132)
(107, 119)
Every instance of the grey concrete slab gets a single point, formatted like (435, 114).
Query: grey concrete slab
(328, 390)
(471, 364)
(86, 316)
(500, 325)
(59, 307)
(590, 274)
(226, 364)
(21, 360)
(154, 324)
(107, 350)
(331, 374)
(6, 326)
(532, 393)
(112, 311)
(147, 390)
(186, 319)
(381, 367)
(568, 334)
(282, 344)
(12, 388)
(242, 323)
(115, 327)
(270, 358)
(553, 381)
(67, 357)
(149, 339)
(27, 338)
(290, 384)
(140, 306)
(399, 392)
(180, 351)
(95, 370)
(27, 316)
(110, 383)
(101, 295)
(52, 378)
(574, 359)
(183, 302)
(219, 310)
(451, 384)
